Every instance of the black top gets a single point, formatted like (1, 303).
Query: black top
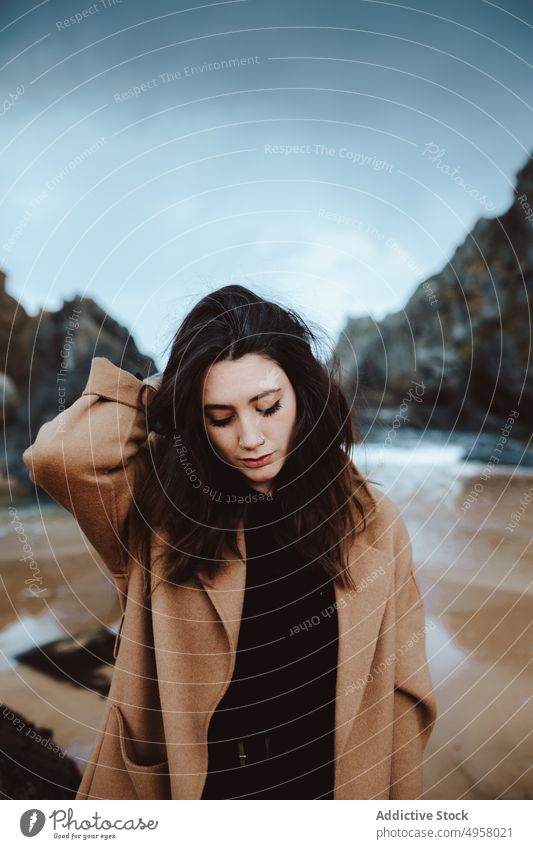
(285, 673)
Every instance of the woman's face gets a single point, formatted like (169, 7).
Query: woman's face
(250, 412)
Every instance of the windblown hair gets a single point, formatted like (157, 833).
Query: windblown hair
(186, 485)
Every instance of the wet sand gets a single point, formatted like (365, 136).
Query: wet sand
(76, 596)
(476, 577)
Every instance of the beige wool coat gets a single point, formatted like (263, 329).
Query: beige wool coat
(175, 654)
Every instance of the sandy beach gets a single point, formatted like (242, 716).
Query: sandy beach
(75, 596)
(475, 570)
(476, 573)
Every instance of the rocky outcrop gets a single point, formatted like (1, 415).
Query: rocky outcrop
(16, 331)
(85, 662)
(462, 342)
(32, 765)
(45, 365)
(10, 398)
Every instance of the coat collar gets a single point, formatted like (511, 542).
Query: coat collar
(359, 612)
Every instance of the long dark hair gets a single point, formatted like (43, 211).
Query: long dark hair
(184, 488)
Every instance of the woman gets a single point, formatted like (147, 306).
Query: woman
(272, 637)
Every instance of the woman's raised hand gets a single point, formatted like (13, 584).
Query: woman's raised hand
(154, 381)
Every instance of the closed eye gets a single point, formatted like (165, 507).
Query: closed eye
(269, 412)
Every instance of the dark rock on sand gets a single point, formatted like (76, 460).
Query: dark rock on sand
(32, 766)
(85, 660)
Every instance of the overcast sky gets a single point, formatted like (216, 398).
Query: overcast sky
(328, 154)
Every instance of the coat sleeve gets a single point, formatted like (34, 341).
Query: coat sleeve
(415, 709)
(86, 458)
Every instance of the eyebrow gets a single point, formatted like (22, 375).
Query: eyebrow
(230, 407)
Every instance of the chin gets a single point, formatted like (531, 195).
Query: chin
(258, 475)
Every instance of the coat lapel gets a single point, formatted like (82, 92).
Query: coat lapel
(360, 613)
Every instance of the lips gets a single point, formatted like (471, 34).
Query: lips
(258, 461)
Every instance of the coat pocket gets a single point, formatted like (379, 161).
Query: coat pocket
(151, 780)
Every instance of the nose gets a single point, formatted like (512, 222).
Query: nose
(251, 443)
(250, 437)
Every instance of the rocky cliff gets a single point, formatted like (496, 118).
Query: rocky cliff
(45, 362)
(462, 343)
